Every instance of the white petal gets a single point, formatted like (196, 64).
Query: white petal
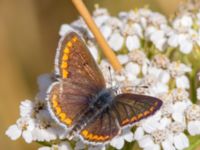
(153, 147)
(198, 93)
(132, 43)
(117, 142)
(173, 40)
(45, 148)
(180, 107)
(139, 133)
(164, 122)
(26, 108)
(178, 117)
(160, 43)
(106, 31)
(116, 41)
(149, 31)
(146, 141)
(157, 35)
(64, 146)
(127, 135)
(79, 145)
(27, 136)
(186, 46)
(122, 59)
(97, 147)
(181, 141)
(132, 68)
(194, 127)
(150, 125)
(186, 21)
(164, 77)
(159, 88)
(167, 145)
(13, 132)
(99, 20)
(182, 82)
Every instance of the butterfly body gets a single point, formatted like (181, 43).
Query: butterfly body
(81, 102)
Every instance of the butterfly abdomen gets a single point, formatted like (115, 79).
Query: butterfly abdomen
(102, 101)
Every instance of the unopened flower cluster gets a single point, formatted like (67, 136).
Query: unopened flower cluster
(150, 48)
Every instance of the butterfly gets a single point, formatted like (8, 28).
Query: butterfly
(80, 100)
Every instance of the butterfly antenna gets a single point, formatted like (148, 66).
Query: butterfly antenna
(111, 79)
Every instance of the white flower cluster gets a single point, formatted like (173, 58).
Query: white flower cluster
(136, 29)
(134, 36)
(35, 122)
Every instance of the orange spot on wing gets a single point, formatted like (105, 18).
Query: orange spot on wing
(140, 116)
(64, 74)
(134, 119)
(69, 44)
(125, 121)
(58, 110)
(65, 57)
(85, 133)
(62, 116)
(68, 121)
(66, 50)
(146, 113)
(64, 64)
(74, 39)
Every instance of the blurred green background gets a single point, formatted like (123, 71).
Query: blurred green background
(28, 39)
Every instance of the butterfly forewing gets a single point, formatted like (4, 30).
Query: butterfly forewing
(79, 80)
(74, 61)
(130, 108)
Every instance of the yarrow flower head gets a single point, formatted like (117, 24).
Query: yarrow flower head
(159, 59)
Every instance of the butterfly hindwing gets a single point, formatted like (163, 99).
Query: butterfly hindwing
(79, 79)
(130, 108)
(102, 129)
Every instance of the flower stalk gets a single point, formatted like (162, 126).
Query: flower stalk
(107, 51)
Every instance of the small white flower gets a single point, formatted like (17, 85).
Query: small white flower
(13, 132)
(178, 69)
(137, 56)
(160, 61)
(132, 69)
(23, 127)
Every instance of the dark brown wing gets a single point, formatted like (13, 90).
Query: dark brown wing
(102, 129)
(74, 61)
(130, 108)
(79, 80)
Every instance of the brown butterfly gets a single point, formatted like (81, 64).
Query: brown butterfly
(80, 101)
